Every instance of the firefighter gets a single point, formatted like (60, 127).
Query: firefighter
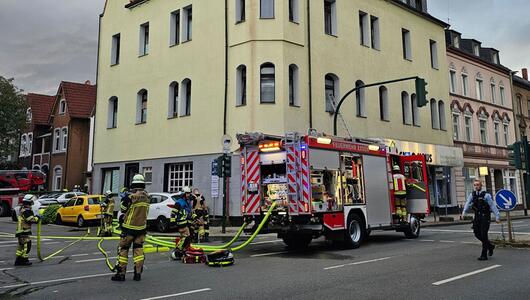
(201, 210)
(134, 207)
(400, 193)
(107, 209)
(482, 204)
(183, 216)
(25, 219)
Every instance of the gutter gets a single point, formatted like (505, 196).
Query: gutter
(95, 106)
(226, 71)
(309, 55)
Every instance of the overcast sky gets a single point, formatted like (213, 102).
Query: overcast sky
(45, 41)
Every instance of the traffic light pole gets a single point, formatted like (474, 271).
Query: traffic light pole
(527, 159)
(336, 113)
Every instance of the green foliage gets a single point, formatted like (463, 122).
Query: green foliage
(50, 213)
(13, 108)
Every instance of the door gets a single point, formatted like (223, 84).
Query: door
(499, 180)
(66, 212)
(414, 168)
(130, 171)
(378, 210)
(155, 206)
(77, 209)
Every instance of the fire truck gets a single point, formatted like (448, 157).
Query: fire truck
(328, 186)
(14, 183)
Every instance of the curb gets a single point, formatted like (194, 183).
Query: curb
(464, 222)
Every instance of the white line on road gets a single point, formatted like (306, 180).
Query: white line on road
(83, 254)
(269, 254)
(56, 280)
(5, 269)
(52, 243)
(358, 263)
(179, 294)
(443, 241)
(470, 231)
(474, 243)
(266, 242)
(466, 275)
(426, 240)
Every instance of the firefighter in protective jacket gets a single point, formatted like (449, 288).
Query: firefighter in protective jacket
(25, 219)
(201, 210)
(134, 207)
(183, 216)
(400, 192)
(107, 209)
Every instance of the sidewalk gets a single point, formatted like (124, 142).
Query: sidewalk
(430, 220)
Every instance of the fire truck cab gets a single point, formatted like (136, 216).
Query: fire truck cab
(328, 186)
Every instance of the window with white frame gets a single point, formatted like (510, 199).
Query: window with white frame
(415, 110)
(148, 174)
(57, 178)
(506, 133)
(406, 108)
(112, 117)
(480, 89)
(241, 85)
(29, 115)
(266, 9)
(407, 47)
(374, 30)
(267, 83)
(468, 128)
(187, 23)
(173, 100)
(57, 140)
(64, 138)
(144, 39)
(360, 99)
(186, 98)
(294, 11)
(465, 84)
(330, 17)
(364, 29)
(483, 127)
(452, 78)
(141, 107)
(476, 50)
(434, 54)
(30, 144)
(493, 92)
(435, 122)
(293, 86)
(503, 94)
(240, 11)
(115, 51)
(441, 118)
(178, 176)
(111, 180)
(174, 32)
(470, 175)
(456, 126)
(383, 104)
(23, 145)
(331, 94)
(496, 130)
(62, 107)
(511, 180)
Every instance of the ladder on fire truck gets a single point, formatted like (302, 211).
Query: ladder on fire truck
(334, 105)
(293, 146)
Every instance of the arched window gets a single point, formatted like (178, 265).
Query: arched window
(186, 100)
(434, 115)
(331, 95)
(360, 99)
(141, 107)
(241, 85)
(293, 86)
(405, 107)
(112, 116)
(441, 113)
(173, 100)
(57, 178)
(267, 83)
(62, 107)
(415, 110)
(383, 104)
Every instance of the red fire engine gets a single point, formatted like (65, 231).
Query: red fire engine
(328, 186)
(13, 183)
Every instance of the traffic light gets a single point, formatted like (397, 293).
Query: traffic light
(218, 165)
(421, 92)
(514, 155)
(227, 166)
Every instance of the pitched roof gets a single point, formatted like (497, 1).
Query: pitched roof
(80, 98)
(41, 108)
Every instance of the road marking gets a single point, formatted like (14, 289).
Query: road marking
(266, 242)
(179, 294)
(426, 240)
(57, 280)
(76, 255)
(474, 243)
(269, 254)
(5, 269)
(470, 231)
(443, 241)
(358, 263)
(465, 275)
(51, 243)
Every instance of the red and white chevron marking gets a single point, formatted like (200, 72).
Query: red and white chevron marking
(304, 204)
(292, 179)
(252, 177)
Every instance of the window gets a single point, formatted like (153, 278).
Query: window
(480, 89)
(496, 130)
(186, 101)
(57, 178)
(503, 94)
(267, 83)
(468, 128)
(330, 17)
(528, 103)
(506, 133)
(23, 145)
(407, 51)
(30, 144)
(141, 107)
(266, 9)
(456, 127)
(62, 107)
(144, 39)
(364, 30)
(331, 87)
(452, 79)
(493, 93)
(470, 175)
(64, 135)
(434, 54)
(383, 104)
(360, 99)
(456, 41)
(29, 115)
(112, 116)
(405, 107)
(415, 110)
(441, 118)
(187, 24)
(178, 176)
(115, 54)
(483, 131)
(173, 100)
(293, 11)
(148, 175)
(476, 50)
(111, 180)
(240, 11)
(241, 85)
(293, 86)
(376, 37)
(435, 123)
(465, 84)
(174, 37)
(57, 140)
(495, 58)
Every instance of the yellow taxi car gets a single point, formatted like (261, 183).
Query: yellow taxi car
(80, 209)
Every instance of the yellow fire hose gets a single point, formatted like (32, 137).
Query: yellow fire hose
(39, 225)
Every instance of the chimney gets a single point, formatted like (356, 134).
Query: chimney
(88, 82)
(525, 73)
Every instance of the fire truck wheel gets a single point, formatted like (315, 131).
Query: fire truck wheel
(355, 233)
(295, 241)
(413, 231)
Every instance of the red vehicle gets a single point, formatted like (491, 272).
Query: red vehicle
(14, 183)
(338, 188)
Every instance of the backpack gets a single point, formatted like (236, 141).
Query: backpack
(221, 258)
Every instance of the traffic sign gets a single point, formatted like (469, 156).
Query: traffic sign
(505, 200)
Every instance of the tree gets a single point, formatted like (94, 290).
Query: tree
(13, 107)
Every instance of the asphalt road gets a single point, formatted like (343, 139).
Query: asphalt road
(441, 264)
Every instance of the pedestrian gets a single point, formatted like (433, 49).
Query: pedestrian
(25, 219)
(183, 216)
(482, 204)
(201, 210)
(107, 210)
(134, 207)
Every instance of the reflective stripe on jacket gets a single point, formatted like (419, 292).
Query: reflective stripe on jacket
(400, 186)
(135, 215)
(25, 219)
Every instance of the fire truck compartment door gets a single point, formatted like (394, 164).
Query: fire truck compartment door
(414, 168)
(324, 159)
(377, 192)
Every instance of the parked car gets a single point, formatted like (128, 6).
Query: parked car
(61, 197)
(160, 208)
(38, 207)
(80, 209)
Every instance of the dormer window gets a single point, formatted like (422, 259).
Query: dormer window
(456, 41)
(476, 49)
(495, 58)
(62, 107)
